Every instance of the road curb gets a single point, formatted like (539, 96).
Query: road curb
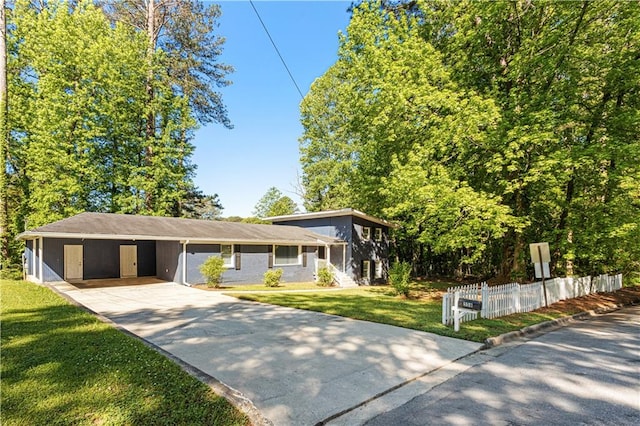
(535, 329)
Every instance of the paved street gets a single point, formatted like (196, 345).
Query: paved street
(587, 373)
(297, 367)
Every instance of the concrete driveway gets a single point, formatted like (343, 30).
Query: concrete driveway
(297, 367)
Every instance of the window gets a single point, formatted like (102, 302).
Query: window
(366, 233)
(366, 269)
(377, 234)
(226, 252)
(378, 269)
(286, 255)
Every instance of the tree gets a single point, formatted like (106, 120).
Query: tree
(4, 143)
(569, 119)
(200, 206)
(182, 64)
(482, 126)
(273, 203)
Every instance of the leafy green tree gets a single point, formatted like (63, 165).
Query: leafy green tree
(481, 127)
(79, 111)
(273, 203)
(568, 119)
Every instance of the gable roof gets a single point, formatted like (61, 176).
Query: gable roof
(121, 226)
(331, 213)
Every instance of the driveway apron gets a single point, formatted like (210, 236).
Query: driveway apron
(297, 367)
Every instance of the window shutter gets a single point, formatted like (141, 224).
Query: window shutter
(238, 260)
(270, 256)
(304, 258)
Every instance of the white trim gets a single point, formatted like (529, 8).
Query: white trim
(34, 254)
(367, 230)
(377, 234)
(310, 242)
(232, 259)
(378, 269)
(184, 263)
(367, 277)
(298, 263)
(40, 256)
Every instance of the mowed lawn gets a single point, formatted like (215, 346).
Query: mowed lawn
(61, 365)
(423, 311)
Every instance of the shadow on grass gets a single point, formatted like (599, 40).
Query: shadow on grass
(379, 304)
(61, 365)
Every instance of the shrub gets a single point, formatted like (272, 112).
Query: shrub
(11, 273)
(212, 270)
(399, 276)
(272, 277)
(325, 277)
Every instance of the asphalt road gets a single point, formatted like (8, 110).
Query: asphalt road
(584, 374)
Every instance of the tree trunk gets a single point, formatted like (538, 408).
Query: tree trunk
(4, 142)
(151, 121)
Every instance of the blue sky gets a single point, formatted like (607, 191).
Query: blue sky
(261, 151)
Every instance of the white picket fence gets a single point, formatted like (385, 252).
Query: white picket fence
(501, 300)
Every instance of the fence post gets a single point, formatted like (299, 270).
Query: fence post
(456, 313)
(446, 310)
(484, 298)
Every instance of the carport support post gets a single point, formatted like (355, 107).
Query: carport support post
(40, 260)
(184, 262)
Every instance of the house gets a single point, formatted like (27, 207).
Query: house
(365, 256)
(105, 245)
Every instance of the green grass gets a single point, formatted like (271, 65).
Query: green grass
(379, 304)
(61, 365)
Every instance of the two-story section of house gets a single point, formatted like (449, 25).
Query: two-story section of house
(363, 258)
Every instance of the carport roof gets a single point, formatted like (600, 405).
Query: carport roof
(133, 227)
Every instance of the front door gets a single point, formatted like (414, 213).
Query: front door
(73, 263)
(128, 261)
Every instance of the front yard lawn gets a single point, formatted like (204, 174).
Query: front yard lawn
(61, 365)
(423, 311)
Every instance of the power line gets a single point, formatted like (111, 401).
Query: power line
(277, 51)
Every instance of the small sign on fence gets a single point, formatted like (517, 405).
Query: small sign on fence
(474, 305)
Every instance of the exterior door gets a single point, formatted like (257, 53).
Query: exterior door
(128, 261)
(73, 263)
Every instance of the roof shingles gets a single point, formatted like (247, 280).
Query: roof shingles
(116, 226)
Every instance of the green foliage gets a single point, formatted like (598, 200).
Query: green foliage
(102, 119)
(61, 365)
(272, 277)
(325, 277)
(212, 270)
(481, 127)
(400, 278)
(273, 203)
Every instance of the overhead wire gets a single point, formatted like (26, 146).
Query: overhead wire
(277, 50)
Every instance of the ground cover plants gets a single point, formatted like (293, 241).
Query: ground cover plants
(61, 365)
